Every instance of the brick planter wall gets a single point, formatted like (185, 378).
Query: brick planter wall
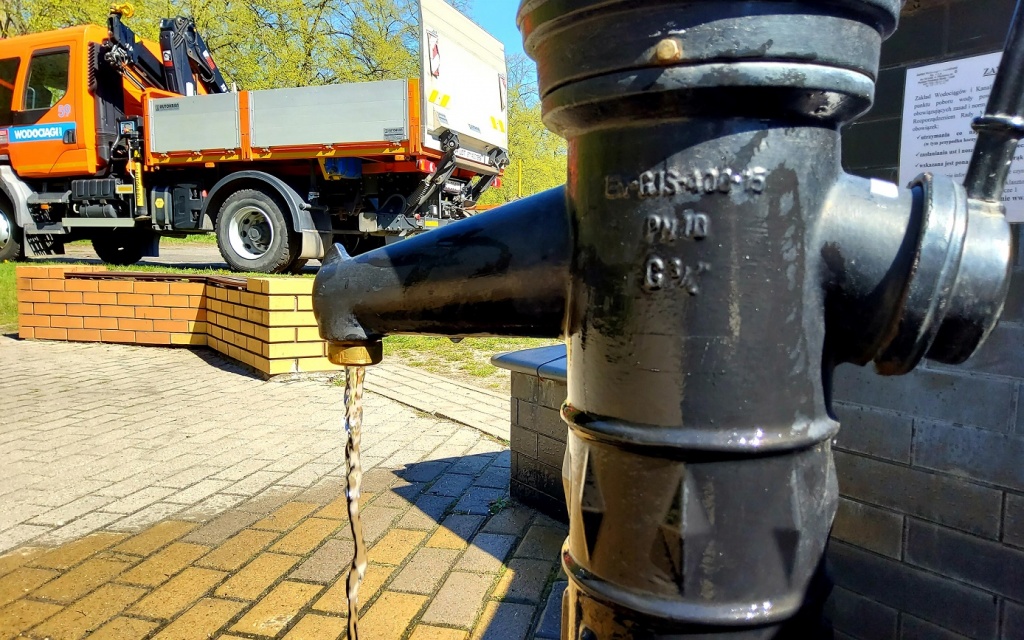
(265, 323)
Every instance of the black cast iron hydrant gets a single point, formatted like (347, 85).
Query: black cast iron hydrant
(709, 264)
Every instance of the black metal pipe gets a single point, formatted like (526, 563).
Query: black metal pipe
(1002, 126)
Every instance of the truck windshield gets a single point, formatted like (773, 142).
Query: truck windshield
(47, 80)
(8, 72)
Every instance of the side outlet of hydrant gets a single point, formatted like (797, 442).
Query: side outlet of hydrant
(709, 265)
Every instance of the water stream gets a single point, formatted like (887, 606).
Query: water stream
(354, 377)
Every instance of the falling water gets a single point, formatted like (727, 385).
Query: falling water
(353, 426)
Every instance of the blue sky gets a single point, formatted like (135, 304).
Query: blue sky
(498, 17)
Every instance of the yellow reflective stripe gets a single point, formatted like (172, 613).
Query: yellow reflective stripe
(444, 100)
(433, 95)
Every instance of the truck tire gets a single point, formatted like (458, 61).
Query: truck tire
(253, 233)
(121, 247)
(10, 237)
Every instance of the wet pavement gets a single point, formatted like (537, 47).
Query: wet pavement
(167, 493)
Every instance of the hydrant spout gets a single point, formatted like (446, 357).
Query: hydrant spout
(504, 272)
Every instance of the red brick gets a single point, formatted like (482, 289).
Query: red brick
(27, 333)
(48, 333)
(31, 271)
(73, 297)
(67, 322)
(84, 335)
(33, 296)
(135, 298)
(34, 321)
(153, 288)
(186, 314)
(83, 310)
(58, 272)
(100, 323)
(174, 326)
(188, 288)
(153, 313)
(111, 311)
(51, 309)
(195, 301)
(133, 324)
(117, 336)
(99, 298)
(85, 286)
(23, 284)
(116, 286)
(47, 284)
(150, 337)
(25, 308)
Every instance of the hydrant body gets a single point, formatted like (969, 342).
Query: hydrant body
(709, 264)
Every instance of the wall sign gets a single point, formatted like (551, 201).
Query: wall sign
(939, 104)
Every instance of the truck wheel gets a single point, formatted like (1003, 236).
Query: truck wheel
(120, 246)
(10, 238)
(254, 235)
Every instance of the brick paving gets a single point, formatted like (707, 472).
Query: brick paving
(167, 493)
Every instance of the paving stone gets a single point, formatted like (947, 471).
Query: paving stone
(400, 497)
(89, 613)
(376, 522)
(424, 572)
(81, 580)
(22, 581)
(550, 625)
(335, 599)
(390, 615)
(202, 620)
(504, 621)
(478, 500)
(257, 576)
(524, 581)
(426, 632)
(395, 546)
(178, 593)
(317, 627)
(328, 563)
(286, 517)
(152, 539)
(124, 629)
(424, 471)
(22, 615)
(450, 484)
(426, 513)
(306, 537)
(61, 515)
(455, 531)
(459, 600)
(158, 568)
(220, 529)
(471, 464)
(271, 614)
(238, 550)
(26, 555)
(486, 553)
(494, 476)
(511, 520)
(544, 543)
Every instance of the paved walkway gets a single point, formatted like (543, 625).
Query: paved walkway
(167, 493)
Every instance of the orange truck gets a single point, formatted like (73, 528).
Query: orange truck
(119, 140)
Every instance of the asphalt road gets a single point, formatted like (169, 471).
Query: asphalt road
(191, 256)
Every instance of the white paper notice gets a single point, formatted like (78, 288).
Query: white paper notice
(940, 102)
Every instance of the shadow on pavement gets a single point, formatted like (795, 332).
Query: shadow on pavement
(450, 556)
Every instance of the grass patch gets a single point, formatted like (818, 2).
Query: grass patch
(469, 360)
(8, 298)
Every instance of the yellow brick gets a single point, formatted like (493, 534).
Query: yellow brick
(81, 580)
(253, 345)
(307, 334)
(307, 536)
(396, 546)
(290, 319)
(232, 554)
(192, 339)
(89, 613)
(304, 303)
(296, 350)
(178, 593)
(261, 364)
(21, 581)
(124, 629)
(317, 627)
(15, 559)
(201, 621)
(258, 316)
(234, 296)
(390, 615)
(156, 569)
(22, 615)
(257, 576)
(275, 303)
(282, 366)
(286, 517)
(335, 600)
(72, 553)
(257, 285)
(312, 365)
(248, 358)
(273, 613)
(424, 632)
(248, 299)
(155, 537)
(284, 286)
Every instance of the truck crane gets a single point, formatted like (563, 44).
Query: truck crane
(120, 140)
